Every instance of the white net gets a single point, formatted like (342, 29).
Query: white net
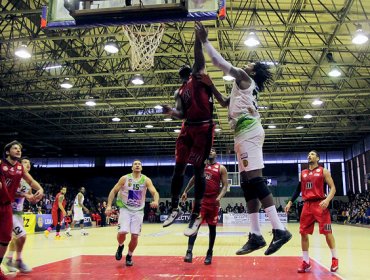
(144, 40)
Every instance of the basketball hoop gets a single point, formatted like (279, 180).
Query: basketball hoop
(144, 40)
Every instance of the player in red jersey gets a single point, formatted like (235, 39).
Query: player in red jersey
(315, 208)
(11, 173)
(216, 174)
(58, 212)
(194, 104)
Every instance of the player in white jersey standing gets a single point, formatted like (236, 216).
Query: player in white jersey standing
(78, 215)
(24, 191)
(131, 190)
(249, 136)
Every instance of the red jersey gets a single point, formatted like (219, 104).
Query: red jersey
(55, 204)
(312, 184)
(213, 179)
(10, 178)
(197, 100)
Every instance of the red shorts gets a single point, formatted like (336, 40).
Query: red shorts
(194, 143)
(57, 217)
(6, 223)
(311, 213)
(209, 213)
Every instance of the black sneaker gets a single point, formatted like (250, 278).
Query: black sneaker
(175, 213)
(119, 252)
(280, 237)
(129, 260)
(254, 242)
(208, 259)
(188, 257)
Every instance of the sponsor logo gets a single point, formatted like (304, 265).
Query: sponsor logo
(304, 175)
(244, 155)
(19, 167)
(316, 174)
(318, 170)
(310, 173)
(245, 163)
(5, 168)
(40, 222)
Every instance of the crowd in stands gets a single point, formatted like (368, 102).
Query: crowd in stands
(356, 211)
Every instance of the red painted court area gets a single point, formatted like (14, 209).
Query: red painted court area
(89, 267)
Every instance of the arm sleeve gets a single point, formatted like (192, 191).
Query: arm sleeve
(217, 59)
(296, 192)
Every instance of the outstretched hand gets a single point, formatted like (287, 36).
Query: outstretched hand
(201, 31)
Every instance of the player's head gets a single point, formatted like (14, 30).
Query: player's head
(260, 73)
(63, 189)
(212, 153)
(313, 157)
(26, 162)
(13, 150)
(137, 166)
(82, 190)
(184, 73)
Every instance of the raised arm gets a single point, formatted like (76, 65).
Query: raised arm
(153, 191)
(199, 61)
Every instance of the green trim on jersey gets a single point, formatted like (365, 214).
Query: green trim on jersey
(19, 213)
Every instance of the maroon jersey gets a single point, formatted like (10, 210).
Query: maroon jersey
(10, 178)
(312, 184)
(55, 204)
(197, 101)
(213, 179)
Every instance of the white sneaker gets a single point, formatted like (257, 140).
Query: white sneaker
(172, 217)
(10, 266)
(22, 267)
(194, 224)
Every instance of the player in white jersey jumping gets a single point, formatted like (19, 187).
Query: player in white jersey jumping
(131, 190)
(78, 215)
(249, 136)
(24, 191)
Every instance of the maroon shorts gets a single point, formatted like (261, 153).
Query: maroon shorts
(6, 223)
(209, 213)
(311, 213)
(194, 143)
(57, 217)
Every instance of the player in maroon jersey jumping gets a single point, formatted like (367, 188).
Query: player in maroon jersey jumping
(216, 174)
(194, 104)
(11, 173)
(315, 208)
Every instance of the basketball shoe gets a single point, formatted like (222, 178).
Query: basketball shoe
(194, 224)
(334, 265)
(280, 237)
(254, 242)
(129, 261)
(9, 265)
(119, 252)
(46, 233)
(208, 259)
(304, 267)
(189, 256)
(175, 213)
(22, 267)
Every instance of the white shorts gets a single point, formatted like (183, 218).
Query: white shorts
(130, 221)
(248, 148)
(78, 215)
(18, 226)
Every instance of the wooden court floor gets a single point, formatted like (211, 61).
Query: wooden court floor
(353, 246)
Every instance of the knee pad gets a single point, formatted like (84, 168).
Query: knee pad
(4, 244)
(260, 187)
(249, 191)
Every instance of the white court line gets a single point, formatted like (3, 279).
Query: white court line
(336, 274)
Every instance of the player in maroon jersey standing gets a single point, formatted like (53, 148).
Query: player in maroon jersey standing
(194, 104)
(315, 208)
(11, 173)
(216, 174)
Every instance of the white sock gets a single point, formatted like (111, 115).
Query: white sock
(274, 219)
(10, 254)
(255, 226)
(19, 256)
(305, 256)
(333, 253)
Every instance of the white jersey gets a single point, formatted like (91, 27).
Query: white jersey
(243, 113)
(76, 204)
(23, 189)
(132, 193)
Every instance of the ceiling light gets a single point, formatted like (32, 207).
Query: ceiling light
(149, 126)
(66, 84)
(90, 103)
(300, 127)
(177, 130)
(228, 78)
(158, 107)
(167, 119)
(317, 102)
(137, 80)
(23, 51)
(55, 66)
(111, 47)
(335, 72)
(131, 130)
(218, 129)
(252, 40)
(307, 116)
(116, 119)
(271, 126)
(262, 107)
(360, 37)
